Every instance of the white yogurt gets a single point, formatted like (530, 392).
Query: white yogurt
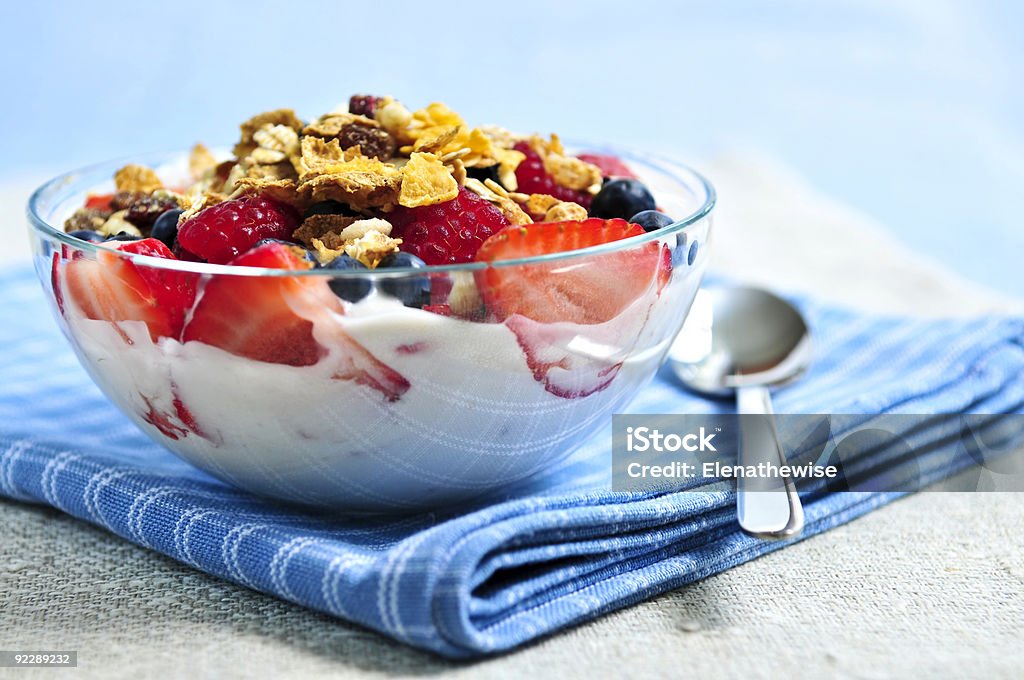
(474, 418)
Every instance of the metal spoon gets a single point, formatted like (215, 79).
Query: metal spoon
(742, 341)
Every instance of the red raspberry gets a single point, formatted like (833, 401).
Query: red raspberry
(363, 105)
(221, 232)
(534, 179)
(611, 166)
(449, 232)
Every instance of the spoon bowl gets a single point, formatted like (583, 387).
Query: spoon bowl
(740, 336)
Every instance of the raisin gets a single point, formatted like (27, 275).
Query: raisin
(373, 142)
(144, 211)
(363, 105)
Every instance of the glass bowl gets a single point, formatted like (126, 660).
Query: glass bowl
(398, 408)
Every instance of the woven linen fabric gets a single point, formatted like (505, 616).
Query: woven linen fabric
(559, 550)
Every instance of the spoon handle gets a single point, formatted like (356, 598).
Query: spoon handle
(767, 507)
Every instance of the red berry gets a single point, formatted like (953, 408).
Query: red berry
(594, 290)
(223, 231)
(113, 288)
(447, 233)
(611, 166)
(272, 319)
(363, 105)
(534, 179)
(99, 201)
(253, 316)
(175, 291)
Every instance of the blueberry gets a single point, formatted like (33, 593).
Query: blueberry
(87, 235)
(651, 220)
(165, 228)
(352, 289)
(484, 174)
(412, 291)
(123, 236)
(327, 208)
(692, 255)
(306, 253)
(621, 198)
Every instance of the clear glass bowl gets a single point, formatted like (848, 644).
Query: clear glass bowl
(401, 408)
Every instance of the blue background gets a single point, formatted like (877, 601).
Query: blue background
(910, 111)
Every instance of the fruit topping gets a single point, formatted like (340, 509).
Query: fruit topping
(591, 291)
(651, 220)
(87, 235)
(363, 105)
(622, 198)
(113, 288)
(255, 317)
(412, 291)
(145, 209)
(351, 289)
(532, 178)
(447, 233)
(611, 166)
(99, 202)
(165, 227)
(223, 231)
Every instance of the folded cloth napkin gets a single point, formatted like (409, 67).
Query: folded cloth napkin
(561, 549)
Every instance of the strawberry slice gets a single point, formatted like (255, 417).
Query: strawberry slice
(252, 316)
(285, 320)
(113, 288)
(591, 290)
(176, 422)
(550, 357)
(175, 291)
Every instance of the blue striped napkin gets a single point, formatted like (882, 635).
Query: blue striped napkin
(559, 550)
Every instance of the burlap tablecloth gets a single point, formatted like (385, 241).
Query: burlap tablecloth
(931, 586)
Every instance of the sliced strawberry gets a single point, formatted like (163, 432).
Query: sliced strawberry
(252, 316)
(175, 291)
(361, 367)
(113, 288)
(564, 373)
(174, 424)
(588, 290)
(285, 320)
(58, 293)
(611, 166)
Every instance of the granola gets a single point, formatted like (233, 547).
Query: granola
(356, 180)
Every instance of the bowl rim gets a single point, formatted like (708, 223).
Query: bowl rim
(656, 161)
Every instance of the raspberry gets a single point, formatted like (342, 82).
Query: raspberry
(221, 232)
(534, 179)
(447, 233)
(363, 105)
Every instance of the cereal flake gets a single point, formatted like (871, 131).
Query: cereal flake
(372, 247)
(426, 181)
